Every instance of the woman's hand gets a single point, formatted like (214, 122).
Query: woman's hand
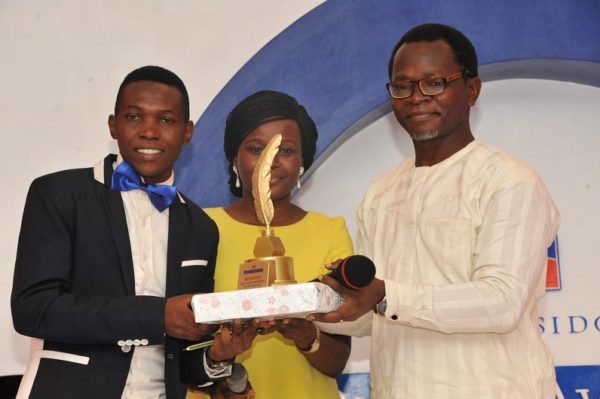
(301, 331)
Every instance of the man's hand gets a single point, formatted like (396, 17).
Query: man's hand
(223, 392)
(356, 302)
(179, 319)
(219, 390)
(234, 338)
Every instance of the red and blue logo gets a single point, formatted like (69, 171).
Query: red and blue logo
(553, 269)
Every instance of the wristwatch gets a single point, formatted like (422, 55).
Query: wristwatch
(380, 307)
(217, 369)
(316, 344)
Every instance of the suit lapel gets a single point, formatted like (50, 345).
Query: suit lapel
(113, 204)
(178, 225)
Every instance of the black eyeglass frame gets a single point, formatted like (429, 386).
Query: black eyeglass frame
(444, 79)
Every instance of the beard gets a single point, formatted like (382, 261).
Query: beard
(424, 136)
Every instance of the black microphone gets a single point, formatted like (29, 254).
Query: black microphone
(237, 382)
(353, 272)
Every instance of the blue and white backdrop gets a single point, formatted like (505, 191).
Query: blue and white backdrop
(62, 64)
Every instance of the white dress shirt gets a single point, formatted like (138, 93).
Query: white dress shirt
(148, 235)
(461, 246)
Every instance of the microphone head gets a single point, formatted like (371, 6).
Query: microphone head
(237, 382)
(355, 272)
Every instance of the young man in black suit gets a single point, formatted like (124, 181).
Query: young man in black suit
(109, 257)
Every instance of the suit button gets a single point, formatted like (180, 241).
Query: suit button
(170, 356)
(126, 348)
(129, 342)
(121, 342)
(144, 341)
(394, 317)
(136, 342)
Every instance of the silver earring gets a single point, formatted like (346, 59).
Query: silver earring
(299, 184)
(237, 177)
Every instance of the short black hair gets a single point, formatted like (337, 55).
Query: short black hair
(157, 74)
(464, 52)
(257, 109)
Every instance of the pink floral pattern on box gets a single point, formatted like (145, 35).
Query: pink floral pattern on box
(294, 300)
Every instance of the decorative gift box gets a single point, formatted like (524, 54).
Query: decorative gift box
(277, 301)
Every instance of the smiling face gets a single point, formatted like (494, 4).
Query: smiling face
(286, 165)
(150, 128)
(443, 116)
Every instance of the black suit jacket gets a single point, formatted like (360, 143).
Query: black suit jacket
(74, 284)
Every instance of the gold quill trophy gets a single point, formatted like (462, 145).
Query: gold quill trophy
(270, 266)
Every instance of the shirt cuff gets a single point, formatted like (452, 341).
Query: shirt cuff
(216, 370)
(404, 301)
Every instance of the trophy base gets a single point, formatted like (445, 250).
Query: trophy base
(266, 271)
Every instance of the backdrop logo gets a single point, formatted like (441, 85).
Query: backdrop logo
(553, 268)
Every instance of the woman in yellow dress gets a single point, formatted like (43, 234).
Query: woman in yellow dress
(293, 359)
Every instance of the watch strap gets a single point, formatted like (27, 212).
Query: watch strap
(316, 344)
(381, 307)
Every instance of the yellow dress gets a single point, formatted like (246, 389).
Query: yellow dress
(275, 367)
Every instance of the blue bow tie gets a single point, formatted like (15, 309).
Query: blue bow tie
(125, 178)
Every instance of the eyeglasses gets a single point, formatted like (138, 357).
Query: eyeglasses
(428, 86)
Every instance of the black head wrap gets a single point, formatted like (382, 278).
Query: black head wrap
(261, 107)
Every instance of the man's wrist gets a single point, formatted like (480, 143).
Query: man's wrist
(381, 305)
(211, 357)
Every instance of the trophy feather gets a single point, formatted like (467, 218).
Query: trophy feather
(261, 188)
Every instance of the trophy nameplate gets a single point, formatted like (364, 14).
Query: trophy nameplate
(270, 266)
